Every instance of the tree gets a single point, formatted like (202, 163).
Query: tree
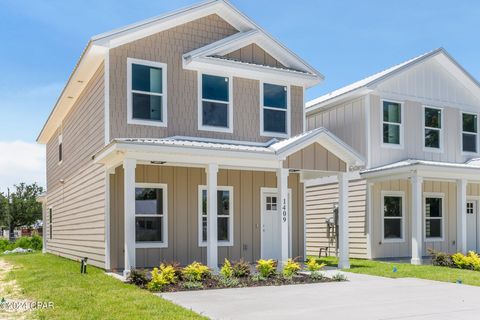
(20, 208)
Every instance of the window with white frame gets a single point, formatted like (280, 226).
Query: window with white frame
(469, 132)
(215, 109)
(151, 214)
(393, 214)
(274, 119)
(432, 128)
(147, 96)
(224, 216)
(392, 123)
(433, 217)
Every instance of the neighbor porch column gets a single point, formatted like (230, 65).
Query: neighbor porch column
(282, 189)
(212, 237)
(129, 166)
(462, 215)
(343, 232)
(417, 239)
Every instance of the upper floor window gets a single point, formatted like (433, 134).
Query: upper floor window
(215, 106)
(432, 128)
(274, 114)
(60, 149)
(151, 215)
(147, 96)
(469, 132)
(392, 123)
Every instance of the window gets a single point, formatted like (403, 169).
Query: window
(469, 132)
(271, 203)
(60, 149)
(274, 114)
(432, 128)
(393, 214)
(392, 123)
(147, 98)
(151, 215)
(215, 108)
(224, 216)
(433, 217)
(50, 224)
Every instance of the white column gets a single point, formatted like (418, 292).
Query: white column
(417, 216)
(282, 189)
(108, 172)
(212, 237)
(369, 219)
(129, 166)
(343, 233)
(462, 215)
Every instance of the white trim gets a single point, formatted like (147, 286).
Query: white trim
(476, 200)
(468, 153)
(368, 130)
(401, 125)
(231, 217)
(388, 193)
(156, 244)
(351, 175)
(369, 220)
(440, 149)
(107, 218)
(163, 67)
(288, 112)
(229, 103)
(106, 92)
(435, 195)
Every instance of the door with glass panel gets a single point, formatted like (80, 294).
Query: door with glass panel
(270, 226)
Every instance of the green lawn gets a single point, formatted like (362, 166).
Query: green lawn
(95, 295)
(405, 270)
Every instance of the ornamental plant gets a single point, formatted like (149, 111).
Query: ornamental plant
(290, 268)
(162, 277)
(196, 272)
(471, 261)
(312, 265)
(266, 268)
(241, 269)
(227, 270)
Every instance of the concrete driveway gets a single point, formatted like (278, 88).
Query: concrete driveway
(363, 297)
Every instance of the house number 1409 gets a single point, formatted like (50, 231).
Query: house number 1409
(284, 210)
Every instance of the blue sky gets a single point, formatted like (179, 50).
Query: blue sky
(345, 40)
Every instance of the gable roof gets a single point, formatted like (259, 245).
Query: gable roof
(369, 83)
(97, 48)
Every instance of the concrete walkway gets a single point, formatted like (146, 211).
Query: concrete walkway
(362, 297)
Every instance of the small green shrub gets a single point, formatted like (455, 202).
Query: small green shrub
(313, 265)
(339, 277)
(162, 277)
(316, 275)
(191, 285)
(290, 268)
(196, 272)
(4, 245)
(226, 271)
(258, 277)
(241, 269)
(266, 268)
(228, 282)
(33, 242)
(441, 259)
(138, 277)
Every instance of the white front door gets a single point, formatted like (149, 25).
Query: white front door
(270, 226)
(472, 226)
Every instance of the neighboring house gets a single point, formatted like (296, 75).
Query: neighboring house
(179, 127)
(416, 124)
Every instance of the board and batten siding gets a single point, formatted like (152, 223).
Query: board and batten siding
(319, 205)
(76, 187)
(182, 184)
(315, 157)
(182, 86)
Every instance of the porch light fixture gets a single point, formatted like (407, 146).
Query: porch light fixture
(158, 162)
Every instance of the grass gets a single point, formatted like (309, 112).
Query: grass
(45, 277)
(406, 270)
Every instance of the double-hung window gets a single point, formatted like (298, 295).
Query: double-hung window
(224, 216)
(392, 123)
(147, 92)
(393, 214)
(432, 128)
(433, 217)
(151, 215)
(274, 114)
(215, 107)
(469, 132)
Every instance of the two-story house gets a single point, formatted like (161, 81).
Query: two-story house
(180, 127)
(416, 124)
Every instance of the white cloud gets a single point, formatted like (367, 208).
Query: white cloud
(21, 162)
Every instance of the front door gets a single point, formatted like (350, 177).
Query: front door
(270, 226)
(472, 226)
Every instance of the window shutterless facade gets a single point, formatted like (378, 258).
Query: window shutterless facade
(60, 149)
(215, 103)
(392, 128)
(432, 128)
(433, 208)
(224, 216)
(393, 213)
(469, 133)
(275, 111)
(151, 223)
(147, 92)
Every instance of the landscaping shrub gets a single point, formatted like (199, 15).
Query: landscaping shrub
(339, 277)
(290, 268)
(33, 242)
(196, 272)
(313, 265)
(162, 277)
(226, 271)
(191, 285)
(441, 259)
(228, 282)
(138, 277)
(266, 268)
(471, 261)
(241, 269)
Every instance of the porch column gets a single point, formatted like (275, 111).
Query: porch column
(129, 166)
(417, 238)
(282, 189)
(461, 215)
(212, 237)
(343, 233)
